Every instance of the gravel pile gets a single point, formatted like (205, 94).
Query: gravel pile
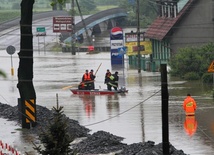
(100, 142)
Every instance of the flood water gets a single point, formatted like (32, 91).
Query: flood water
(136, 116)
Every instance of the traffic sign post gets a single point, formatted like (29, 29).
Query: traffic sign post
(211, 70)
(41, 31)
(11, 50)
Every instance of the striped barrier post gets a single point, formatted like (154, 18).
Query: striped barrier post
(28, 112)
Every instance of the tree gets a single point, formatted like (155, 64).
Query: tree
(147, 11)
(191, 63)
(55, 3)
(25, 70)
(55, 138)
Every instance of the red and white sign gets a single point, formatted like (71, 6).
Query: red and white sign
(62, 24)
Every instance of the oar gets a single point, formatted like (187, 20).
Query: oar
(67, 87)
(98, 69)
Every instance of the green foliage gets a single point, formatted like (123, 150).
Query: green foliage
(55, 138)
(207, 78)
(8, 15)
(147, 12)
(2, 74)
(192, 63)
(86, 6)
(191, 76)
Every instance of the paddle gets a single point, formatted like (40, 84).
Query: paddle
(67, 87)
(98, 69)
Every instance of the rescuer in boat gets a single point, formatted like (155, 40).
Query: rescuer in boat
(189, 105)
(92, 79)
(114, 81)
(107, 79)
(86, 79)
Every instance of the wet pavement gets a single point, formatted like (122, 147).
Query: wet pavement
(136, 116)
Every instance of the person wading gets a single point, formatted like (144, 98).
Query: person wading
(189, 105)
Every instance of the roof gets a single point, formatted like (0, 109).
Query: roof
(162, 25)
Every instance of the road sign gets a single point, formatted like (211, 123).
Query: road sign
(41, 31)
(62, 24)
(11, 50)
(122, 50)
(211, 67)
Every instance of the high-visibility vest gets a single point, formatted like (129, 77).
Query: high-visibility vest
(189, 106)
(111, 77)
(87, 77)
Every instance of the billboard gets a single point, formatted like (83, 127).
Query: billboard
(132, 44)
(116, 42)
(62, 24)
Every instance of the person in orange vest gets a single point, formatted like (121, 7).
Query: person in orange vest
(86, 78)
(189, 105)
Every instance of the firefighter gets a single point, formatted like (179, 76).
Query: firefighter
(93, 76)
(107, 79)
(113, 82)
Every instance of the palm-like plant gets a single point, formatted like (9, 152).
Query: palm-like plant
(2, 74)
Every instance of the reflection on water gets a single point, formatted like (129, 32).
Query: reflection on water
(190, 125)
(112, 104)
(89, 104)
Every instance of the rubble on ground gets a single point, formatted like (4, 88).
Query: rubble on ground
(100, 142)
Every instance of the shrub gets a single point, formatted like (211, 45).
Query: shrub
(191, 76)
(207, 78)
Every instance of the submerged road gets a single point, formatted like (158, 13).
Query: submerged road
(135, 116)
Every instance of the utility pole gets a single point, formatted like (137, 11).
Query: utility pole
(73, 37)
(138, 37)
(84, 25)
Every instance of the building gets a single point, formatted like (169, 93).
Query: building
(181, 23)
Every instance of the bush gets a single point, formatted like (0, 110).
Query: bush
(207, 78)
(191, 76)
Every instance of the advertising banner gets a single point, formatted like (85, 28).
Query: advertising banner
(132, 45)
(116, 41)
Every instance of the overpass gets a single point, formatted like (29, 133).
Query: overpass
(98, 22)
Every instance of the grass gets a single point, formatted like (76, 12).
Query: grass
(6, 15)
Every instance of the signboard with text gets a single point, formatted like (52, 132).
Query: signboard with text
(131, 44)
(41, 31)
(62, 24)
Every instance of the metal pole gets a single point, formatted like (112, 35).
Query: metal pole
(138, 38)
(73, 38)
(165, 105)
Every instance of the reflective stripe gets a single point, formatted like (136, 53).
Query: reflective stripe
(111, 77)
